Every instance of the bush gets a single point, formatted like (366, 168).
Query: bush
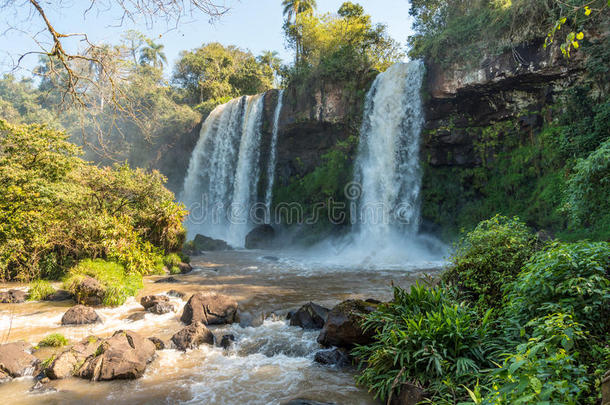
(39, 290)
(53, 340)
(490, 256)
(172, 261)
(567, 278)
(425, 336)
(118, 284)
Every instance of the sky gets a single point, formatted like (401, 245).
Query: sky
(250, 24)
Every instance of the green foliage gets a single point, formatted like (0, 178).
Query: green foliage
(39, 290)
(118, 284)
(172, 261)
(53, 340)
(489, 257)
(427, 337)
(570, 278)
(545, 369)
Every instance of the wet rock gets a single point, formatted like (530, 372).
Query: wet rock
(300, 401)
(247, 319)
(309, 316)
(124, 356)
(89, 291)
(342, 327)
(606, 389)
(227, 341)
(4, 376)
(408, 394)
(80, 315)
(261, 237)
(204, 243)
(333, 357)
(212, 309)
(185, 268)
(41, 388)
(159, 344)
(137, 316)
(271, 258)
(175, 294)
(149, 301)
(16, 361)
(192, 336)
(13, 297)
(161, 308)
(167, 280)
(67, 363)
(59, 295)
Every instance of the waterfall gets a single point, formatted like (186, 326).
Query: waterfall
(220, 187)
(387, 175)
(273, 154)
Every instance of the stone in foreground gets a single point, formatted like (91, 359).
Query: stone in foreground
(342, 327)
(192, 336)
(80, 315)
(12, 297)
(65, 364)
(333, 357)
(149, 301)
(309, 316)
(16, 361)
(211, 309)
(261, 237)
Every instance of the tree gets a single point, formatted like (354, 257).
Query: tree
(153, 53)
(292, 8)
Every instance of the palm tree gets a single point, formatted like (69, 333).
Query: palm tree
(153, 53)
(292, 8)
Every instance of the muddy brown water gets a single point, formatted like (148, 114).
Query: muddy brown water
(270, 362)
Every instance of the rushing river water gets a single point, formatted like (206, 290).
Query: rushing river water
(270, 362)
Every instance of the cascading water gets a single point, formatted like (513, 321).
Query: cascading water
(387, 165)
(273, 154)
(221, 183)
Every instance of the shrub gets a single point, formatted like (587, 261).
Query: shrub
(53, 340)
(424, 336)
(569, 278)
(172, 261)
(39, 290)
(119, 284)
(490, 256)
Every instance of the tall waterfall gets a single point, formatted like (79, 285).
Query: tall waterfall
(387, 172)
(273, 153)
(221, 184)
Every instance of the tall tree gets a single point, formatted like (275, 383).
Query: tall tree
(292, 8)
(153, 54)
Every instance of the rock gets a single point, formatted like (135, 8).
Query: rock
(309, 316)
(212, 309)
(204, 243)
(333, 357)
(159, 344)
(4, 376)
(227, 341)
(300, 401)
(89, 291)
(185, 268)
(149, 301)
(80, 315)
(606, 389)
(16, 361)
(167, 280)
(409, 394)
(261, 237)
(342, 327)
(41, 388)
(192, 336)
(247, 319)
(161, 308)
(137, 316)
(59, 295)
(124, 356)
(175, 293)
(272, 258)
(66, 363)
(13, 297)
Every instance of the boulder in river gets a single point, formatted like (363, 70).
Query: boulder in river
(175, 294)
(16, 361)
(161, 308)
(408, 394)
(167, 280)
(192, 336)
(89, 291)
(80, 315)
(59, 295)
(159, 344)
(333, 357)
(185, 268)
(124, 356)
(136, 316)
(309, 316)
(261, 237)
(227, 341)
(65, 363)
(203, 243)
(13, 297)
(149, 301)
(210, 309)
(343, 325)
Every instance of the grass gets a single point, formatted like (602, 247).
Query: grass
(172, 261)
(39, 290)
(119, 285)
(53, 340)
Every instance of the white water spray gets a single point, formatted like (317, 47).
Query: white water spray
(273, 153)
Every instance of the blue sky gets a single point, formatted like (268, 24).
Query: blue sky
(251, 24)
